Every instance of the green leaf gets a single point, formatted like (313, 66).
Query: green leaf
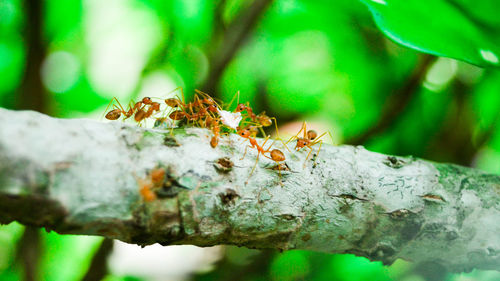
(461, 29)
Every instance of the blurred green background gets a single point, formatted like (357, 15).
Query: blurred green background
(322, 61)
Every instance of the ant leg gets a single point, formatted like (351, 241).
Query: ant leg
(318, 140)
(305, 129)
(244, 154)
(254, 166)
(119, 106)
(331, 137)
(307, 157)
(264, 143)
(320, 143)
(107, 107)
(238, 100)
(297, 135)
(279, 173)
(207, 96)
(262, 132)
(232, 100)
(174, 90)
(278, 134)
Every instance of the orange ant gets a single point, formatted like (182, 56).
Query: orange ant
(276, 155)
(136, 109)
(142, 114)
(216, 131)
(147, 194)
(309, 138)
(154, 180)
(261, 119)
(203, 106)
(208, 100)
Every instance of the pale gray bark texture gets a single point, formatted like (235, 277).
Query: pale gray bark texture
(82, 177)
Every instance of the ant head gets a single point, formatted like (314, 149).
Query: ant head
(311, 134)
(212, 108)
(146, 100)
(277, 155)
(301, 143)
(244, 133)
(240, 107)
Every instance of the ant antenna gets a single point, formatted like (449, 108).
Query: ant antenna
(232, 99)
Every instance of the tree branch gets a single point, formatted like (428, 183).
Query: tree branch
(82, 177)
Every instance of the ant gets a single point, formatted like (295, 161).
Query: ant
(154, 179)
(208, 100)
(261, 119)
(145, 190)
(142, 114)
(203, 106)
(276, 155)
(135, 108)
(309, 138)
(214, 124)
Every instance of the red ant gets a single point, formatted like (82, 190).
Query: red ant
(309, 138)
(136, 109)
(276, 155)
(154, 180)
(195, 111)
(212, 105)
(261, 119)
(142, 113)
(216, 131)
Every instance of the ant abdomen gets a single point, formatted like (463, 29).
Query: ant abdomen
(177, 115)
(214, 141)
(277, 155)
(173, 102)
(312, 134)
(113, 114)
(139, 115)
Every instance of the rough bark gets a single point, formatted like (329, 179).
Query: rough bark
(82, 177)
